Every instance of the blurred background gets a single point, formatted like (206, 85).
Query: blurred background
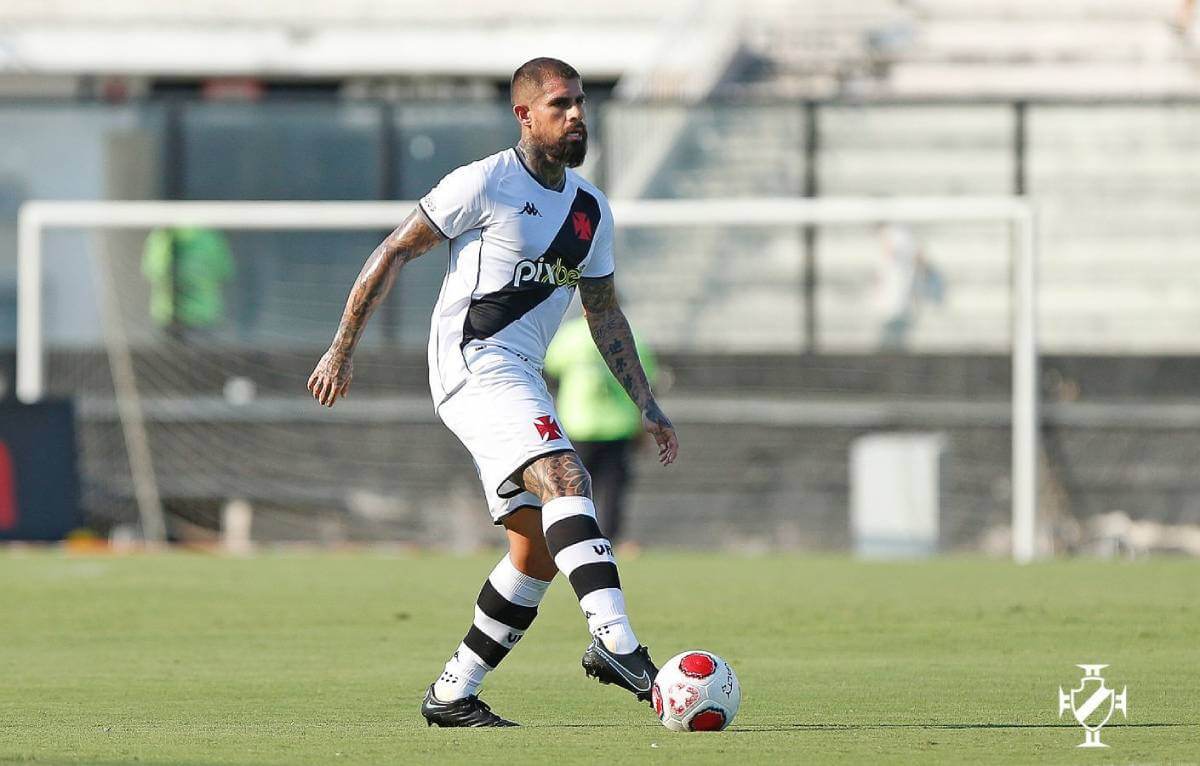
(836, 387)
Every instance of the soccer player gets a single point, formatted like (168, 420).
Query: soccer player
(524, 232)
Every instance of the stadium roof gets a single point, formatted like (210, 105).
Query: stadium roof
(316, 38)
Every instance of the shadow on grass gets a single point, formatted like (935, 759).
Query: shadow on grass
(651, 725)
(863, 726)
(940, 726)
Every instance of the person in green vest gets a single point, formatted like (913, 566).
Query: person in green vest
(186, 268)
(601, 421)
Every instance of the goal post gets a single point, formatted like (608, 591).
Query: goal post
(37, 217)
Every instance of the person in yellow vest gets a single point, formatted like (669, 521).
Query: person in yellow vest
(186, 268)
(598, 416)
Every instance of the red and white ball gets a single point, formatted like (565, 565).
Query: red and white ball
(696, 691)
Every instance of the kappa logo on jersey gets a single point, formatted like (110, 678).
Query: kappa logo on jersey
(583, 225)
(547, 428)
(531, 209)
(557, 273)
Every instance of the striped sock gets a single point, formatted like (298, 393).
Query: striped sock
(585, 556)
(504, 610)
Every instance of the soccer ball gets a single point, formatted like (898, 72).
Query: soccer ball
(696, 691)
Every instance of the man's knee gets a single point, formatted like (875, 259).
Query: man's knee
(559, 475)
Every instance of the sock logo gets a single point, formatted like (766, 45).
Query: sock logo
(514, 637)
(602, 549)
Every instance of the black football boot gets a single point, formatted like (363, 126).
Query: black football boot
(470, 711)
(634, 671)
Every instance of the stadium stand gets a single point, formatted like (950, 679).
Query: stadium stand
(969, 48)
(1101, 220)
(909, 97)
(815, 49)
(1081, 47)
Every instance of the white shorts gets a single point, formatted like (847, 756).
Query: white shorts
(505, 417)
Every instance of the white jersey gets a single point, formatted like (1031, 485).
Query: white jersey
(517, 252)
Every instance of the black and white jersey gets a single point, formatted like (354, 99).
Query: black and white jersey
(517, 252)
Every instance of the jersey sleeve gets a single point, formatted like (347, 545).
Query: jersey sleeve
(458, 202)
(601, 263)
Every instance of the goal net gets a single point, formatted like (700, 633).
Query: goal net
(791, 330)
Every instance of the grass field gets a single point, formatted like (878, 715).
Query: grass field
(322, 658)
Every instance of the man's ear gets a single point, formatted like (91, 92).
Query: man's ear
(522, 113)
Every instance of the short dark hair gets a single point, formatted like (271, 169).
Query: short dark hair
(537, 71)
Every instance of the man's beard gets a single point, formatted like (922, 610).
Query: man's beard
(568, 152)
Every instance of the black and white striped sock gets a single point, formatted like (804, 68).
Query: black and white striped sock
(504, 610)
(585, 556)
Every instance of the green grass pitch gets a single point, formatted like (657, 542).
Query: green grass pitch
(322, 659)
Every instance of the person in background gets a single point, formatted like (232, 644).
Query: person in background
(904, 282)
(602, 422)
(186, 268)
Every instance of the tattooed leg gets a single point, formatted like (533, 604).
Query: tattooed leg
(580, 549)
(559, 475)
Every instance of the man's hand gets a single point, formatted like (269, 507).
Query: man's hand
(659, 426)
(331, 378)
(614, 340)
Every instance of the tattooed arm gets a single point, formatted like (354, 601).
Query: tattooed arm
(610, 331)
(331, 378)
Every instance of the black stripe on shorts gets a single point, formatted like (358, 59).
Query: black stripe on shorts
(570, 530)
(489, 649)
(591, 577)
(504, 611)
